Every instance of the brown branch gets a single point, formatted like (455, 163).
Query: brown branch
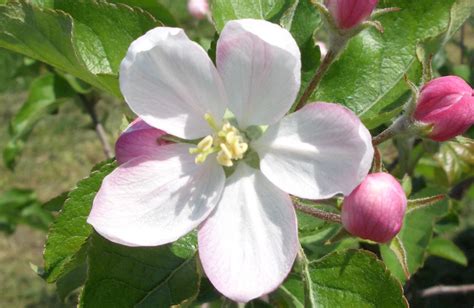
(99, 128)
(318, 76)
(445, 290)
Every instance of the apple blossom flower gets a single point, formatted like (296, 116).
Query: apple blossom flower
(446, 103)
(198, 8)
(375, 209)
(247, 228)
(350, 13)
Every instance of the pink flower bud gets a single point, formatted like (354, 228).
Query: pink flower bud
(448, 104)
(375, 209)
(350, 13)
(198, 8)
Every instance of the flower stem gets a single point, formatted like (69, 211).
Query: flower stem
(378, 162)
(318, 76)
(399, 126)
(323, 215)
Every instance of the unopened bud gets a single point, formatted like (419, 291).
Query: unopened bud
(375, 209)
(446, 103)
(350, 13)
(198, 8)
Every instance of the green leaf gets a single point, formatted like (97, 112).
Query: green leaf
(354, 278)
(446, 249)
(350, 278)
(57, 203)
(120, 276)
(85, 38)
(301, 19)
(291, 293)
(374, 63)
(159, 11)
(46, 94)
(11, 64)
(65, 247)
(71, 281)
(225, 10)
(415, 235)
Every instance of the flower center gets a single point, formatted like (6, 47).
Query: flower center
(226, 141)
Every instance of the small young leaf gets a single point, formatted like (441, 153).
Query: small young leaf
(446, 249)
(416, 204)
(65, 247)
(396, 246)
(456, 157)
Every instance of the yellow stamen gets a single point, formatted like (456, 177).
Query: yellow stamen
(227, 142)
(212, 123)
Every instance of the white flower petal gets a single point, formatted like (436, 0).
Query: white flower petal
(170, 82)
(154, 200)
(249, 243)
(260, 65)
(319, 151)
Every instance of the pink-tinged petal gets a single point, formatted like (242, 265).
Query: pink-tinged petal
(317, 152)
(170, 82)
(249, 243)
(138, 139)
(154, 200)
(350, 13)
(260, 65)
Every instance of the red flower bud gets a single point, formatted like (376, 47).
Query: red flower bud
(448, 104)
(350, 13)
(375, 209)
(198, 8)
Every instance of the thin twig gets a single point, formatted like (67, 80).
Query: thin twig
(327, 216)
(462, 44)
(318, 76)
(444, 290)
(99, 128)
